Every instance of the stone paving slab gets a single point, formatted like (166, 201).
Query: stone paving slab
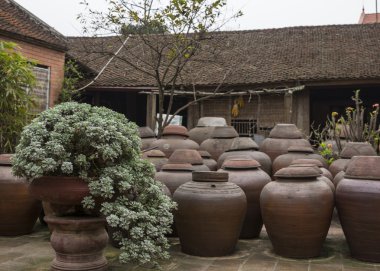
(33, 253)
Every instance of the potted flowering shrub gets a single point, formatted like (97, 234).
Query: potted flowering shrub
(79, 143)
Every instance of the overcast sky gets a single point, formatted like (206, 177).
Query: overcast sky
(258, 14)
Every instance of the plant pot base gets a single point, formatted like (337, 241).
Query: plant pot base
(78, 243)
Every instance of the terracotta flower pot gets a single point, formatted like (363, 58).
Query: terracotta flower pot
(156, 157)
(246, 173)
(297, 210)
(210, 214)
(358, 201)
(192, 157)
(18, 209)
(205, 127)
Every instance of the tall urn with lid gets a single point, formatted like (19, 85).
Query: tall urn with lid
(210, 214)
(297, 210)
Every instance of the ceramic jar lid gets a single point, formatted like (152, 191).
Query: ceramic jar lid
(298, 172)
(177, 167)
(285, 130)
(204, 154)
(363, 167)
(186, 156)
(314, 162)
(302, 149)
(224, 132)
(243, 143)
(357, 148)
(175, 130)
(154, 153)
(241, 163)
(5, 159)
(211, 121)
(146, 132)
(307, 165)
(210, 176)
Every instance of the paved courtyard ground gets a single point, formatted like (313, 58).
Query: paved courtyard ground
(33, 252)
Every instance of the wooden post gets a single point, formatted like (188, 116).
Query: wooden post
(151, 111)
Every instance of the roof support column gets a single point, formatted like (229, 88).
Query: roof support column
(151, 110)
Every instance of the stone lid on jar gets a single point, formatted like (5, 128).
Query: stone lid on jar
(146, 132)
(5, 159)
(154, 153)
(241, 163)
(363, 167)
(298, 172)
(243, 143)
(224, 132)
(177, 167)
(210, 176)
(285, 130)
(314, 162)
(186, 156)
(357, 148)
(204, 154)
(307, 165)
(211, 121)
(303, 149)
(175, 130)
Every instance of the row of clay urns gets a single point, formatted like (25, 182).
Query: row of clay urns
(297, 209)
(174, 137)
(351, 149)
(281, 137)
(295, 152)
(357, 201)
(181, 156)
(220, 141)
(205, 128)
(246, 173)
(147, 136)
(246, 147)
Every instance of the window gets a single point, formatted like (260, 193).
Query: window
(42, 89)
(244, 127)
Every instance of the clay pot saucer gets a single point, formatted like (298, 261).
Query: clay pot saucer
(314, 162)
(177, 167)
(303, 149)
(298, 172)
(210, 176)
(154, 153)
(175, 130)
(238, 163)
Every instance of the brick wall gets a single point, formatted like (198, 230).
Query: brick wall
(47, 57)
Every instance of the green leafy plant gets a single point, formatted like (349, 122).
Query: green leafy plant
(16, 102)
(72, 76)
(103, 148)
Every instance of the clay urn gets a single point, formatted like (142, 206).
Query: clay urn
(339, 176)
(245, 146)
(297, 210)
(205, 127)
(147, 136)
(314, 162)
(208, 161)
(351, 149)
(210, 214)
(18, 209)
(246, 173)
(281, 137)
(174, 175)
(156, 157)
(357, 202)
(295, 152)
(192, 157)
(221, 140)
(174, 137)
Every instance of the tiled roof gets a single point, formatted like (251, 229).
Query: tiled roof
(17, 22)
(284, 55)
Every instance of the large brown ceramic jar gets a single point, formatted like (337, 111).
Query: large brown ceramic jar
(294, 152)
(351, 149)
(314, 162)
(174, 175)
(205, 127)
(210, 214)
(208, 161)
(297, 210)
(174, 137)
(147, 136)
(244, 146)
(18, 209)
(358, 201)
(192, 157)
(221, 140)
(156, 157)
(281, 137)
(246, 173)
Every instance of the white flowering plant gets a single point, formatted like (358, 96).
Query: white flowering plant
(103, 148)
